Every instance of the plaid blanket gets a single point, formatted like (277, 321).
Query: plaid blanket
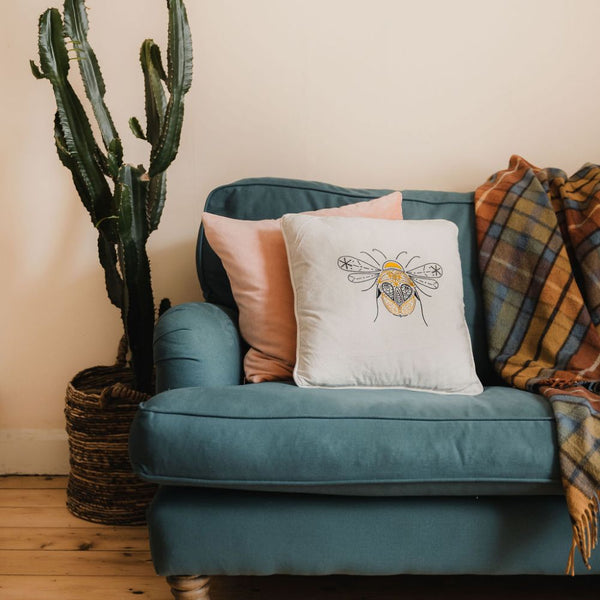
(538, 233)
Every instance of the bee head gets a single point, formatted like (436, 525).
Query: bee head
(392, 264)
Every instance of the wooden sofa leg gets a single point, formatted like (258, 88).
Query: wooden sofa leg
(194, 587)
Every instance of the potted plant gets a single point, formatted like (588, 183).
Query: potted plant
(125, 203)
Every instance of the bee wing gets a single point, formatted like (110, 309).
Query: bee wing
(425, 276)
(360, 270)
(432, 284)
(350, 263)
(362, 277)
(426, 271)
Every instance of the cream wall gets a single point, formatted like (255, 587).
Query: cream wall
(378, 93)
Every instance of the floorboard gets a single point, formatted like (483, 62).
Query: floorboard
(100, 563)
(22, 482)
(46, 516)
(122, 539)
(18, 587)
(14, 498)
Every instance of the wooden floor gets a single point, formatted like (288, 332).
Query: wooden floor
(47, 554)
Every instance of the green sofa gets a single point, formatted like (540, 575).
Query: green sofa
(271, 478)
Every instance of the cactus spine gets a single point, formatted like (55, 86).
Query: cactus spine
(125, 202)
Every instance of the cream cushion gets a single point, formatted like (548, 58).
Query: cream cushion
(379, 303)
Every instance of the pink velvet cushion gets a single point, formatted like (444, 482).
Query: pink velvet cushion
(254, 256)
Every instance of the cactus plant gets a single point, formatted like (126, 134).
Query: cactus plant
(125, 202)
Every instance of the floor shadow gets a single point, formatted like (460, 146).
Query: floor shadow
(406, 587)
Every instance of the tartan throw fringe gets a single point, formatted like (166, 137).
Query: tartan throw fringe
(538, 234)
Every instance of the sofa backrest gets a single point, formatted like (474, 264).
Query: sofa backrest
(270, 198)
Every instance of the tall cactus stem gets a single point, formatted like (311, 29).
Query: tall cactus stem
(124, 202)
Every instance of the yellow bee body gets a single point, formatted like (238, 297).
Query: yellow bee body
(397, 289)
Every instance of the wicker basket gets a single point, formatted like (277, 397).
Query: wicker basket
(102, 488)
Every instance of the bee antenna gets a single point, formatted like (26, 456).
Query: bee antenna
(380, 252)
(371, 257)
(400, 254)
(408, 263)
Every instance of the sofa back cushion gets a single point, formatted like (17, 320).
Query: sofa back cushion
(269, 198)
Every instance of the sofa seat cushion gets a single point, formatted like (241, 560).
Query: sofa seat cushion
(275, 436)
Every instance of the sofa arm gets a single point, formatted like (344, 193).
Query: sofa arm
(197, 344)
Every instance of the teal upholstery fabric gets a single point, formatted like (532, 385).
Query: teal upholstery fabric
(268, 198)
(197, 344)
(276, 436)
(227, 532)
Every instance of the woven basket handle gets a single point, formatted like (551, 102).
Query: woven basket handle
(122, 352)
(108, 393)
(120, 391)
(123, 392)
(114, 391)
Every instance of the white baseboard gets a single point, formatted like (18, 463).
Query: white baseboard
(34, 452)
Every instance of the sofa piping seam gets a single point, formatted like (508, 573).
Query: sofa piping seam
(346, 418)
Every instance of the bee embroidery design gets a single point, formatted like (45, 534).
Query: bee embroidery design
(398, 286)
